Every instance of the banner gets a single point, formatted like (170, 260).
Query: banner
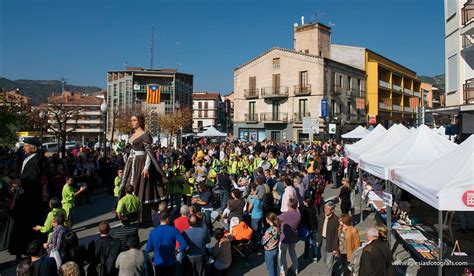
(414, 101)
(360, 103)
(324, 108)
(153, 94)
(388, 103)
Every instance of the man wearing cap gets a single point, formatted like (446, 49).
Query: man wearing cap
(27, 209)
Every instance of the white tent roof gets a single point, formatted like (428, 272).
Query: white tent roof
(355, 150)
(446, 183)
(376, 159)
(357, 133)
(418, 148)
(211, 132)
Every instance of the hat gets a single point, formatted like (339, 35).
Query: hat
(33, 141)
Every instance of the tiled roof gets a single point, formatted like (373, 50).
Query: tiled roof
(206, 96)
(76, 99)
(275, 49)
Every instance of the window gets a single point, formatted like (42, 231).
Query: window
(306, 51)
(452, 78)
(252, 83)
(275, 110)
(359, 85)
(252, 115)
(341, 81)
(276, 63)
(349, 81)
(350, 108)
(451, 9)
(333, 107)
(303, 108)
(206, 105)
(276, 82)
(205, 113)
(199, 113)
(199, 124)
(199, 105)
(304, 79)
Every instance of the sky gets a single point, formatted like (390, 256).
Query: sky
(81, 40)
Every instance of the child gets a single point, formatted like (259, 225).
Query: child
(68, 196)
(188, 187)
(55, 244)
(47, 228)
(117, 181)
(270, 241)
(129, 205)
(254, 207)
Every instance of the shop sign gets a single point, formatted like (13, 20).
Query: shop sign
(372, 120)
(324, 108)
(332, 128)
(468, 198)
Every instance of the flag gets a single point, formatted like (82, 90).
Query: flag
(441, 100)
(153, 94)
(388, 103)
(360, 103)
(414, 102)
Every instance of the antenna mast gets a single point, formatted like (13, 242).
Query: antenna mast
(151, 47)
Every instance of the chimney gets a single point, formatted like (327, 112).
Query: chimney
(313, 39)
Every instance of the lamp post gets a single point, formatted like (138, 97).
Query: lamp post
(103, 108)
(177, 105)
(42, 115)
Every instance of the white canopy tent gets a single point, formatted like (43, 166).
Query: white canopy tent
(415, 148)
(445, 183)
(211, 132)
(355, 150)
(357, 133)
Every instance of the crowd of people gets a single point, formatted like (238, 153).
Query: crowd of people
(247, 197)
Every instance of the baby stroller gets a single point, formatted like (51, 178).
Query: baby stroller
(241, 239)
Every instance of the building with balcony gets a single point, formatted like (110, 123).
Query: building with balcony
(390, 87)
(229, 112)
(277, 89)
(208, 110)
(86, 117)
(459, 51)
(127, 91)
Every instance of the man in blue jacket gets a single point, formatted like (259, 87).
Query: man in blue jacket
(162, 241)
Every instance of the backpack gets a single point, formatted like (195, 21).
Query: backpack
(354, 265)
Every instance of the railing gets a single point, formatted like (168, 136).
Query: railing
(274, 117)
(397, 88)
(468, 89)
(384, 84)
(407, 109)
(397, 107)
(251, 93)
(407, 91)
(252, 117)
(301, 90)
(352, 93)
(336, 90)
(468, 13)
(275, 92)
(416, 94)
(383, 106)
(467, 40)
(298, 117)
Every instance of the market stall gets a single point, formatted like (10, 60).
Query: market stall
(355, 150)
(357, 133)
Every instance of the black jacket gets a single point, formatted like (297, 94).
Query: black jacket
(103, 251)
(332, 231)
(309, 218)
(376, 259)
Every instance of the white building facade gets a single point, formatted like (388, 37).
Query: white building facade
(208, 110)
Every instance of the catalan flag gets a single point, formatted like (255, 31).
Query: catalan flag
(414, 101)
(360, 103)
(152, 94)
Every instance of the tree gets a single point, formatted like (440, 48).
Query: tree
(171, 123)
(14, 111)
(62, 120)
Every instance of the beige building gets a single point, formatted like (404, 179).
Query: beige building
(277, 89)
(208, 110)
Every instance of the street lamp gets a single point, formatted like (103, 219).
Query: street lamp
(177, 105)
(42, 115)
(103, 108)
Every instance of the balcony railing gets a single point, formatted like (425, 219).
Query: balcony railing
(407, 109)
(468, 13)
(298, 117)
(407, 91)
(251, 93)
(416, 94)
(351, 93)
(383, 106)
(301, 90)
(251, 117)
(468, 89)
(336, 90)
(275, 92)
(397, 88)
(397, 108)
(274, 117)
(384, 84)
(467, 40)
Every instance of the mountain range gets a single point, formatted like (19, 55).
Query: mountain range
(39, 90)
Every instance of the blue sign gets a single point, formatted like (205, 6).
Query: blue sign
(324, 108)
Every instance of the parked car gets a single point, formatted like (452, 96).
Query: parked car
(72, 144)
(50, 147)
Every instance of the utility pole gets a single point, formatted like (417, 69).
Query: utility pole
(151, 47)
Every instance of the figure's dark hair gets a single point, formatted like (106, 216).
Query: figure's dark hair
(141, 120)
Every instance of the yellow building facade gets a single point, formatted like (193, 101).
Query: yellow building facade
(390, 86)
